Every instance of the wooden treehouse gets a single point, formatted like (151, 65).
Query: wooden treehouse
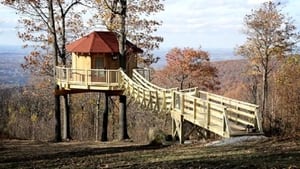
(96, 67)
(95, 63)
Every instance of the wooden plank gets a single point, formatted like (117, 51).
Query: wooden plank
(242, 113)
(226, 127)
(216, 121)
(232, 102)
(235, 119)
(236, 127)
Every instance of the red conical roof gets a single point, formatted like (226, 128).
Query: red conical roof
(99, 42)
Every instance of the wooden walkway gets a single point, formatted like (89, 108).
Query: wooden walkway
(221, 115)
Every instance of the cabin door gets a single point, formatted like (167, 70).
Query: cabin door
(98, 72)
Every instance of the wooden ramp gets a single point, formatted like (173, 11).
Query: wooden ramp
(223, 116)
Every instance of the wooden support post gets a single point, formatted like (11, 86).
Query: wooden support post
(258, 120)
(66, 126)
(208, 115)
(97, 119)
(177, 127)
(164, 106)
(105, 119)
(87, 78)
(173, 104)
(156, 107)
(173, 128)
(195, 108)
(207, 134)
(180, 130)
(122, 118)
(149, 105)
(57, 117)
(182, 104)
(226, 127)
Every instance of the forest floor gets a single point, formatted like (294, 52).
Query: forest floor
(266, 153)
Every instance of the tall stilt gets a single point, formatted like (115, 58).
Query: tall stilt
(57, 118)
(97, 119)
(180, 130)
(105, 119)
(66, 126)
(177, 128)
(123, 118)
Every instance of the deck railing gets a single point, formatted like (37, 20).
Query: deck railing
(87, 78)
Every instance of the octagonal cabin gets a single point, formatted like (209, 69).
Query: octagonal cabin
(95, 62)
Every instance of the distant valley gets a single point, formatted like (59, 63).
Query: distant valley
(216, 54)
(12, 74)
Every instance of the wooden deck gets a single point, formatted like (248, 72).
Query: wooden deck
(91, 79)
(223, 116)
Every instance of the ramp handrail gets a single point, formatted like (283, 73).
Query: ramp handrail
(205, 114)
(238, 112)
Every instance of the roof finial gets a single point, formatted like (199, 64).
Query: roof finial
(100, 26)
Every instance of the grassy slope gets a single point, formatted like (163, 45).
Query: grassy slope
(260, 154)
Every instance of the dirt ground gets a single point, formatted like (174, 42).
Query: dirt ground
(268, 153)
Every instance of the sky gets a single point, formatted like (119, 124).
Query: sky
(186, 23)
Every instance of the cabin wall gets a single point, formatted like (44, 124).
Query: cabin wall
(113, 64)
(109, 63)
(80, 62)
(83, 62)
(131, 64)
(74, 61)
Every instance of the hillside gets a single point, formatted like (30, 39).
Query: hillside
(231, 77)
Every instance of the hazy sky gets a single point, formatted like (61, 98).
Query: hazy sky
(186, 23)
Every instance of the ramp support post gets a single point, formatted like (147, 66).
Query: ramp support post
(177, 128)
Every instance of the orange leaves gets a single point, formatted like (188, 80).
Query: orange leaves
(188, 68)
(187, 60)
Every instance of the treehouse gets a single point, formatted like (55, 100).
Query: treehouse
(95, 62)
(96, 67)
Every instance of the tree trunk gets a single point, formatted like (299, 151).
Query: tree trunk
(123, 60)
(105, 119)
(265, 96)
(66, 133)
(57, 117)
(122, 36)
(97, 119)
(122, 118)
(55, 63)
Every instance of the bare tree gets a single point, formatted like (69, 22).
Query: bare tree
(139, 23)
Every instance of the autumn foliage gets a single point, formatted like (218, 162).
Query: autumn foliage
(187, 68)
(271, 39)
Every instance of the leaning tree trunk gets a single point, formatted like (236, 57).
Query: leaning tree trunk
(265, 97)
(123, 60)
